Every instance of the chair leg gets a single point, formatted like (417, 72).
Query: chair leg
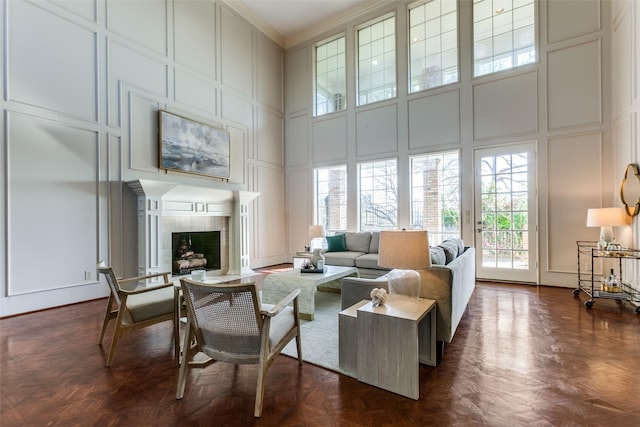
(116, 335)
(262, 373)
(107, 317)
(299, 346)
(184, 361)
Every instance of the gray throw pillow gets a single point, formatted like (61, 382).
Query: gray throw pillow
(437, 255)
(336, 243)
(358, 242)
(450, 250)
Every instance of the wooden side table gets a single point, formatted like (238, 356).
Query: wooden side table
(392, 340)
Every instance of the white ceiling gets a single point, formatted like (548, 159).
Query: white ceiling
(283, 20)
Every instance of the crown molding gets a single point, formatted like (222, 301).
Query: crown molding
(336, 21)
(256, 20)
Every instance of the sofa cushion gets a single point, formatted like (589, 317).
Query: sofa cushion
(437, 255)
(342, 258)
(358, 242)
(367, 261)
(460, 244)
(375, 242)
(336, 243)
(450, 250)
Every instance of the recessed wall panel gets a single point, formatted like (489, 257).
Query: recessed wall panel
(57, 73)
(506, 107)
(567, 19)
(377, 131)
(269, 138)
(130, 68)
(236, 108)
(143, 131)
(195, 35)
(574, 85)
(299, 207)
(298, 81)
(434, 120)
(237, 154)
(195, 92)
(269, 73)
(237, 70)
(297, 143)
(271, 212)
(38, 209)
(142, 22)
(83, 9)
(623, 59)
(575, 185)
(329, 140)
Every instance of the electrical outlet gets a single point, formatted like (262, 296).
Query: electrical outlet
(88, 275)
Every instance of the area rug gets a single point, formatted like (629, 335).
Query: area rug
(320, 336)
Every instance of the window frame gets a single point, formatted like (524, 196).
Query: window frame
(359, 194)
(315, 74)
(316, 206)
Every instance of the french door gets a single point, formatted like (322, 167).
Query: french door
(505, 213)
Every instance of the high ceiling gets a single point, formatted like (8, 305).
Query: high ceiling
(283, 20)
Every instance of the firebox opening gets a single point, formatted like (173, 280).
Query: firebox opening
(195, 250)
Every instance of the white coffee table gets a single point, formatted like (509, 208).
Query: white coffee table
(276, 286)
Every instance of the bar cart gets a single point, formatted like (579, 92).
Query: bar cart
(595, 284)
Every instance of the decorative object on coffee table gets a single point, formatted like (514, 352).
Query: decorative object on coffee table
(316, 236)
(404, 251)
(317, 259)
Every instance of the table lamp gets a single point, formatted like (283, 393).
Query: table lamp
(405, 251)
(606, 219)
(316, 235)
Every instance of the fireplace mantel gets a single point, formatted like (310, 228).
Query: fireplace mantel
(158, 198)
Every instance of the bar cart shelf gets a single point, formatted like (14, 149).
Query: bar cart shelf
(589, 281)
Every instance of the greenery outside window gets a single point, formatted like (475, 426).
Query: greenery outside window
(433, 44)
(435, 195)
(330, 195)
(503, 35)
(377, 61)
(377, 186)
(330, 94)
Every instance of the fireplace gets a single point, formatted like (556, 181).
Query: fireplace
(195, 250)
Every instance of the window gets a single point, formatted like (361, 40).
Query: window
(503, 35)
(435, 195)
(377, 61)
(331, 197)
(378, 195)
(433, 44)
(330, 82)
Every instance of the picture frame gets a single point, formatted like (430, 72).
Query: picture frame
(192, 147)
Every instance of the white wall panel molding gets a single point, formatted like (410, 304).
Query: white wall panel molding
(236, 36)
(131, 69)
(572, 190)
(238, 154)
(623, 61)
(86, 10)
(269, 136)
(377, 130)
(507, 107)
(271, 211)
(329, 140)
(195, 92)
(142, 135)
(434, 120)
(68, 156)
(298, 90)
(585, 17)
(195, 36)
(575, 86)
(297, 141)
(236, 108)
(269, 70)
(54, 73)
(299, 208)
(144, 23)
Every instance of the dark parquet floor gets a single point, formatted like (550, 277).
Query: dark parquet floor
(522, 356)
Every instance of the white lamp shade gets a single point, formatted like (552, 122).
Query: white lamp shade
(316, 231)
(606, 217)
(404, 249)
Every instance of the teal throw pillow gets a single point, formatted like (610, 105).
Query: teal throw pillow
(336, 243)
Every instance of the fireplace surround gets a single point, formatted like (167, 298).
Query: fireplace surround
(166, 207)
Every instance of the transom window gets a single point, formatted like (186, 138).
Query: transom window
(330, 78)
(377, 61)
(503, 35)
(435, 195)
(377, 184)
(433, 44)
(330, 188)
